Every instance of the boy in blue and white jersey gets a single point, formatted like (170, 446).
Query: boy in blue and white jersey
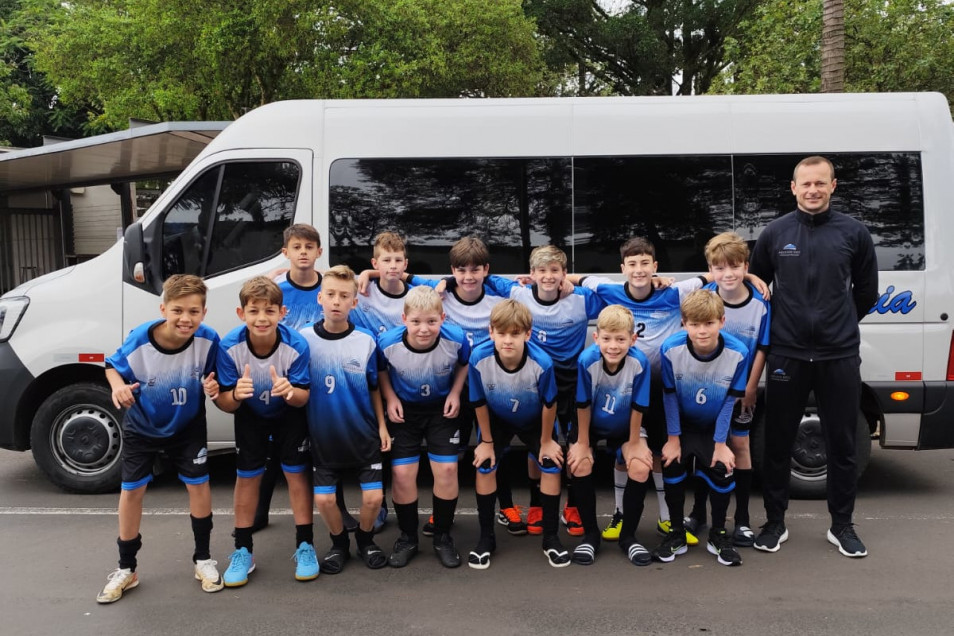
(747, 317)
(423, 366)
(381, 301)
(612, 394)
(264, 379)
(513, 390)
(300, 286)
(559, 328)
(656, 314)
(159, 375)
(704, 371)
(345, 418)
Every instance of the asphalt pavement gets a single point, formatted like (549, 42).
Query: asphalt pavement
(58, 548)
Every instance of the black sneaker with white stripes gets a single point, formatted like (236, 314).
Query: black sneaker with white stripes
(636, 553)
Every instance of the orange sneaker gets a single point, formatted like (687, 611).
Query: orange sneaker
(510, 517)
(571, 519)
(428, 529)
(535, 520)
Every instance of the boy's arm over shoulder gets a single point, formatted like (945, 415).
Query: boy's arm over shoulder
(499, 286)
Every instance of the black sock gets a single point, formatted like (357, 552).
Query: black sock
(701, 494)
(363, 538)
(720, 504)
(535, 493)
(304, 533)
(676, 500)
(634, 496)
(743, 488)
(243, 538)
(128, 551)
(504, 489)
(551, 514)
(342, 541)
(570, 494)
(407, 519)
(443, 515)
(202, 533)
(485, 514)
(586, 502)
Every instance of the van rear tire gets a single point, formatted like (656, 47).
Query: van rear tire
(809, 465)
(77, 439)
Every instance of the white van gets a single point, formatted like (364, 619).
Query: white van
(584, 174)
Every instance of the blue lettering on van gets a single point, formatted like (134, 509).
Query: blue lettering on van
(891, 303)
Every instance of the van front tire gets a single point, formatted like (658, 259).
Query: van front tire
(76, 438)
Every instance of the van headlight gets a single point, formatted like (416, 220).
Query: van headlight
(11, 311)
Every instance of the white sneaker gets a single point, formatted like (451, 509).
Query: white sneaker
(118, 581)
(205, 571)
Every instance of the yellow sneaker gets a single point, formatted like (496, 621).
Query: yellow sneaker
(612, 530)
(662, 527)
(118, 581)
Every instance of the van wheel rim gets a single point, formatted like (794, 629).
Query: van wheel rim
(86, 440)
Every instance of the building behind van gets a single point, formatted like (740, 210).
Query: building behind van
(580, 173)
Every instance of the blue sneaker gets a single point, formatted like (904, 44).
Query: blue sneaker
(381, 520)
(241, 564)
(307, 568)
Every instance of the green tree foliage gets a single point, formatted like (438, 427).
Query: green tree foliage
(639, 47)
(29, 105)
(180, 59)
(901, 45)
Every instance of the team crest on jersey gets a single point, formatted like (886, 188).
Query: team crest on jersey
(726, 380)
(201, 457)
(353, 366)
(444, 370)
(790, 249)
(196, 372)
(491, 387)
(151, 382)
(678, 376)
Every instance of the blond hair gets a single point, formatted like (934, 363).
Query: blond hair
(388, 242)
(422, 298)
(510, 315)
(545, 255)
(179, 285)
(616, 318)
(727, 248)
(342, 273)
(702, 305)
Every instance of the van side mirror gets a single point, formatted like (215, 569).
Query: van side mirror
(135, 271)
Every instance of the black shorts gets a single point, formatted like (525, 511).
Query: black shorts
(503, 433)
(614, 445)
(696, 444)
(441, 434)
(187, 449)
(288, 433)
(326, 478)
(654, 418)
(566, 398)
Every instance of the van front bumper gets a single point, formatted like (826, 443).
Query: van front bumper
(14, 380)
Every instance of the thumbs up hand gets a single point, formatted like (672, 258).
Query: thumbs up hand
(210, 385)
(123, 396)
(281, 387)
(244, 388)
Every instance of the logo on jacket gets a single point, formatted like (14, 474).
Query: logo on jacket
(779, 375)
(790, 249)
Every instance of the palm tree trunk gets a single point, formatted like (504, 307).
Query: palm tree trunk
(833, 47)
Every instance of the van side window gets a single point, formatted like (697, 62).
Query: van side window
(512, 204)
(589, 205)
(231, 216)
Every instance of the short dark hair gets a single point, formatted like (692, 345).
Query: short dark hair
(636, 246)
(469, 251)
(302, 231)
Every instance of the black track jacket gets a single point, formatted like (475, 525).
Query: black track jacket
(825, 277)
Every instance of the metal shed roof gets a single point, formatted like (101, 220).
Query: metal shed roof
(140, 152)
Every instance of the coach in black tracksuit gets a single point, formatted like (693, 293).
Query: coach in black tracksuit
(825, 276)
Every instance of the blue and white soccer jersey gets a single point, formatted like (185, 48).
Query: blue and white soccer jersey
(265, 415)
(379, 311)
(656, 317)
(290, 359)
(302, 302)
(472, 317)
(748, 321)
(423, 377)
(341, 419)
(612, 396)
(170, 394)
(703, 389)
(516, 397)
(169, 409)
